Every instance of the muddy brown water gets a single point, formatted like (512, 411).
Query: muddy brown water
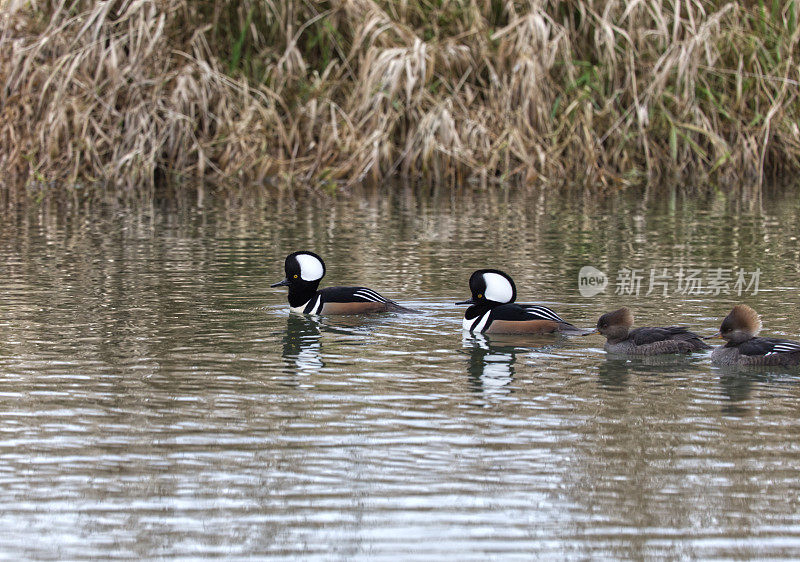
(159, 401)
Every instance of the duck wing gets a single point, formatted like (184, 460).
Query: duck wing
(648, 335)
(539, 312)
(768, 346)
(360, 294)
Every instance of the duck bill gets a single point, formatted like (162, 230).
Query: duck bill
(593, 332)
(718, 335)
(280, 283)
(470, 301)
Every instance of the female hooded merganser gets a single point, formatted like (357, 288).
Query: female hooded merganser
(616, 327)
(304, 270)
(740, 329)
(493, 310)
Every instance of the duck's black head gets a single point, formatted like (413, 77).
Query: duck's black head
(304, 270)
(490, 287)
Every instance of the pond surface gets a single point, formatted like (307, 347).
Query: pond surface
(159, 401)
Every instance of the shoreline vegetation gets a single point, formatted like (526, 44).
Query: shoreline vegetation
(134, 94)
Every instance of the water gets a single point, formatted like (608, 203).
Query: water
(159, 401)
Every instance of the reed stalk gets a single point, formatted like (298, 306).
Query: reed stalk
(134, 94)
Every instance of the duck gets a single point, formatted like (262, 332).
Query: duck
(304, 271)
(740, 330)
(493, 310)
(620, 339)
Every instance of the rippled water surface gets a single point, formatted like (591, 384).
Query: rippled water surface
(159, 401)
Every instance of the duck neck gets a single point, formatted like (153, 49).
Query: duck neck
(738, 337)
(478, 309)
(301, 293)
(617, 334)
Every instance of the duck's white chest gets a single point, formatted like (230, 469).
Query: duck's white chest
(300, 308)
(476, 324)
(314, 310)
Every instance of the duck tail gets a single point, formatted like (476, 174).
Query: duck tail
(571, 330)
(700, 344)
(392, 306)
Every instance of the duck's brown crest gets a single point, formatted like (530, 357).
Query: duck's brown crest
(745, 317)
(620, 317)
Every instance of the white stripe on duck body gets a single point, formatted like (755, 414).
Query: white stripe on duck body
(740, 330)
(620, 339)
(493, 310)
(304, 271)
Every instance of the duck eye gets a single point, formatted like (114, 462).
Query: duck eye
(295, 276)
(480, 296)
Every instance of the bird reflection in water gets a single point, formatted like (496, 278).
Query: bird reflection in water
(737, 388)
(492, 360)
(738, 383)
(614, 374)
(302, 341)
(301, 345)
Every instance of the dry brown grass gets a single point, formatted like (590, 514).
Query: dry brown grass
(129, 93)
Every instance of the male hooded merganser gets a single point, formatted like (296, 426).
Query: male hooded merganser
(616, 327)
(740, 329)
(493, 310)
(304, 270)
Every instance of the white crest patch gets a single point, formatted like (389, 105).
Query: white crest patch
(498, 289)
(310, 267)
